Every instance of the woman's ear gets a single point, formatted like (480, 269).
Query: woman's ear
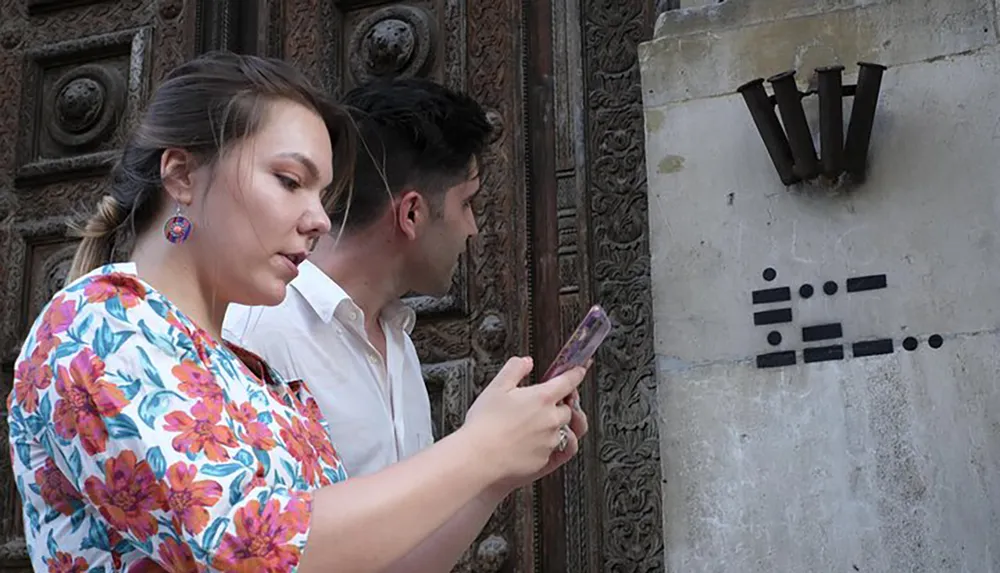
(177, 173)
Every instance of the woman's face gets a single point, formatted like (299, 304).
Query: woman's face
(261, 207)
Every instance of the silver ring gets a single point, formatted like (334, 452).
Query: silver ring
(563, 439)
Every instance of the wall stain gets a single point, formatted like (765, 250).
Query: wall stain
(670, 164)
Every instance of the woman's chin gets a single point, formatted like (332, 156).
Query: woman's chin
(267, 295)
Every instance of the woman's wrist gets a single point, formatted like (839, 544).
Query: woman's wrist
(475, 458)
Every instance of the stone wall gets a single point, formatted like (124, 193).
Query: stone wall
(887, 462)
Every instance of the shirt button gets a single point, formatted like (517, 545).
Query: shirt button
(353, 315)
(372, 358)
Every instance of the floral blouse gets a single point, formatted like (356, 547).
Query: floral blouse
(140, 443)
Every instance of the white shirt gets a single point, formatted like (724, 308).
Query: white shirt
(378, 411)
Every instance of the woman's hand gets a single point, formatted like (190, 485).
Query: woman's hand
(517, 429)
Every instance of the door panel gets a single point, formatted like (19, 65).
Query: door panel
(464, 337)
(73, 73)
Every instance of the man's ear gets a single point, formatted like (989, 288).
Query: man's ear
(411, 213)
(177, 172)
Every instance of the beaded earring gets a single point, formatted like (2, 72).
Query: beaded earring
(178, 228)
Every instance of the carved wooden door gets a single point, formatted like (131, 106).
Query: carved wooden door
(72, 74)
(562, 211)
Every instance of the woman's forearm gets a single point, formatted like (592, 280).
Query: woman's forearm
(368, 523)
(441, 551)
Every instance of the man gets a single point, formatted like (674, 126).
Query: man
(342, 327)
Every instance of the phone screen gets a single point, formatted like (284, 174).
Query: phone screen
(583, 343)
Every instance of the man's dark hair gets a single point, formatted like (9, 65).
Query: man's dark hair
(413, 133)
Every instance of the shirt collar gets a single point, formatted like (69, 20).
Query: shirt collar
(325, 296)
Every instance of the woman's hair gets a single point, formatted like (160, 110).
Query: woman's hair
(203, 106)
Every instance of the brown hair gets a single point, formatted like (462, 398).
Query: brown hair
(203, 106)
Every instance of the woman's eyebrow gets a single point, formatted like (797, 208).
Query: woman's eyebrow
(305, 161)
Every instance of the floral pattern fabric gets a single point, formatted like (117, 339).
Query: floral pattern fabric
(139, 443)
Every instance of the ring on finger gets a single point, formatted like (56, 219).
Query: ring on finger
(563, 438)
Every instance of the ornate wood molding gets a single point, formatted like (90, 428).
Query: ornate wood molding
(627, 439)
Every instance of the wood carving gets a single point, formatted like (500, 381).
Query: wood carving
(498, 275)
(73, 76)
(628, 450)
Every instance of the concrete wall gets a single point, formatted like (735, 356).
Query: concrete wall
(881, 463)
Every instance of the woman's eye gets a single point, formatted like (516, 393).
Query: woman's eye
(288, 182)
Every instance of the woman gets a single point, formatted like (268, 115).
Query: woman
(142, 442)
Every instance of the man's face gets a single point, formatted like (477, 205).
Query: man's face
(450, 226)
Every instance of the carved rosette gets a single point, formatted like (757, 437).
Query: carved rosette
(84, 105)
(396, 41)
(170, 9)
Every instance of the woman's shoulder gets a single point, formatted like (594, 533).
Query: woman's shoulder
(102, 310)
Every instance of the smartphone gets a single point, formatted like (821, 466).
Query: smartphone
(582, 345)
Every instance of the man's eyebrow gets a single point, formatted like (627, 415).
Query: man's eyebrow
(305, 161)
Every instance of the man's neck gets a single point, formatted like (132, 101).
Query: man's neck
(364, 269)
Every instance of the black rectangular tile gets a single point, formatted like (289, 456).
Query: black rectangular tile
(823, 353)
(870, 282)
(765, 296)
(776, 359)
(822, 332)
(776, 316)
(873, 347)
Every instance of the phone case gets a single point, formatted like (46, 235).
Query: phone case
(582, 345)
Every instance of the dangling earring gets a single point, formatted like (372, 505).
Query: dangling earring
(177, 228)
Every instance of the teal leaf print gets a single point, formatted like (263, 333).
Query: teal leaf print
(152, 375)
(292, 473)
(34, 487)
(77, 519)
(35, 424)
(266, 418)
(160, 341)
(335, 475)
(103, 340)
(45, 407)
(115, 308)
(122, 427)
(158, 307)
(23, 453)
(120, 339)
(263, 458)
(50, 542)
(219, 470)
(65, 350)
(77, 286)
(33, 517)
(97, 569)
(47, 445)
(213, 535)
(15, 421)
(146, 546)
(154, 405)
(132, 388)
(157, 462)
(199, 554)
(244, 457)
(75, 465)
(79, 332)
(236, 489)
(97, 537)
